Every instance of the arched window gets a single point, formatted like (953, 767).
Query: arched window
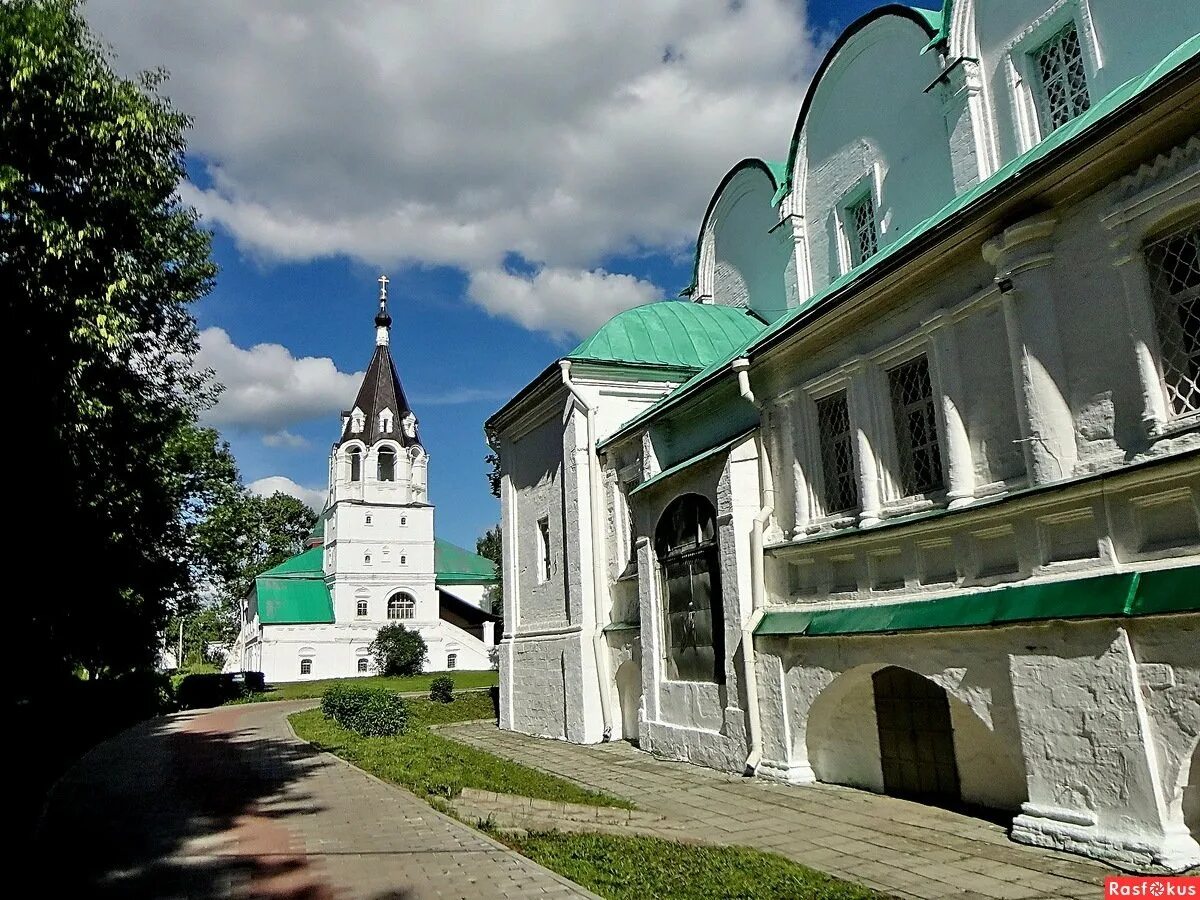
(366, 559)
(306, 666)
(404, 520)
(362, 607)
(355, 456)
(685, 542)
(451, 660)
(401, 606)
(368, 518)
(362, 664)
(403, 560)
(385, 421)
(387, 464)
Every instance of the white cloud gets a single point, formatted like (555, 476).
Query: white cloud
(559, 300)
(268, 389)
(457, 134)
(314, 497)
(284, 438)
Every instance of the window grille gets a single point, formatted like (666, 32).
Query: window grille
(451, 660)
(362, 664)
(916, 427)
(864, 240)
(1174, 262)
(306, 667)
(362, 607)
(401, 606)
(1064, 90)
(837, 453)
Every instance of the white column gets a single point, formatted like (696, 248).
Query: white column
(866, 440)
(793, 453)
(489, 634)
(1130, 264)
(960, 467)
(1022, 256)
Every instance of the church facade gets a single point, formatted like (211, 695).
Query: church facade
(373, 557)
(906, 494)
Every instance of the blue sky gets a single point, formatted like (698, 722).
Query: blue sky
(550, 174)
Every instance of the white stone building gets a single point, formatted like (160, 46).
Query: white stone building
(373, 557)
(908, 497)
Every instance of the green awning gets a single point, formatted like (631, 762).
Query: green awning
(1121, 594)
(293, 601)
(690, 461)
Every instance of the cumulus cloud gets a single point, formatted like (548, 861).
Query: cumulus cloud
(314, 497)
(457, 135)
(268, 389)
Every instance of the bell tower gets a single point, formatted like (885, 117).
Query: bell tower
(379, 546)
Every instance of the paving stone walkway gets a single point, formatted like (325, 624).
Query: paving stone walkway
(229, 803)
(902, 848)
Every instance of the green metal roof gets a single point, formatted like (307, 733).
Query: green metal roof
(1121, 96)
(293, 601)
(669, 333)
(454, 565)
(302, 565)
(1123, 594)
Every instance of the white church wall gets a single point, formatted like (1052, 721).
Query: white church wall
(1120, 40)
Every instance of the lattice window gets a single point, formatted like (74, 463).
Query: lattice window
(1064, 90)
(864, 239)
(362, 607)
(1174, 262)
(837, 453)
(362, 664)
(916, 427)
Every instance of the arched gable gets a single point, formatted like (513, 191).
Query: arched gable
(870, 128)
(739, 260)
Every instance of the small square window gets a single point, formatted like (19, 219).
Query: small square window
(916, 427)
(543, 531)
(861, 229)
(1063, 90)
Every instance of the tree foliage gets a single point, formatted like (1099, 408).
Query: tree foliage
(398, 651)
(99, 264)
(491, 546)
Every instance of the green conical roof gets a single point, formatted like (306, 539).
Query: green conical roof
(670, 333)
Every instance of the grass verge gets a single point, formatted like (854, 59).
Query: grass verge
(634, 867)
(303, 690)
(436, 767)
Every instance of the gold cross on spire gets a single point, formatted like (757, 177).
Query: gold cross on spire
(383, 283)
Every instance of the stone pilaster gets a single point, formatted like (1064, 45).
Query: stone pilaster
(1022, 255)
(960, 467)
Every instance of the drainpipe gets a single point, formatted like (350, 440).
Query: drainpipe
(758, 586)
(599, 568)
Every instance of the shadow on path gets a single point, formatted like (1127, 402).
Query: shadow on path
(190, 805)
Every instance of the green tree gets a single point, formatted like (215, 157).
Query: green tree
(491, 546)
(99, 263)
(398, 651)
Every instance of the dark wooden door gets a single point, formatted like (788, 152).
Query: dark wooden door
(916, 739)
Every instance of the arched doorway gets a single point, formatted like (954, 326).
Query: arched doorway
(685, 542)
(916, 737)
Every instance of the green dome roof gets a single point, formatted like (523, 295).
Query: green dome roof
(670, 333)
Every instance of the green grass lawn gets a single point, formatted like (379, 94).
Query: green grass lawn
(634, 867)
(434, 766)
(301, 690)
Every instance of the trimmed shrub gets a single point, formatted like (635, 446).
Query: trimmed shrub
(398, 651)
(441, 689)
(214, 688)
(370, 711)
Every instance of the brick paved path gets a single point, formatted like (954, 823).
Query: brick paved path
(228, 803)
(906, 849)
